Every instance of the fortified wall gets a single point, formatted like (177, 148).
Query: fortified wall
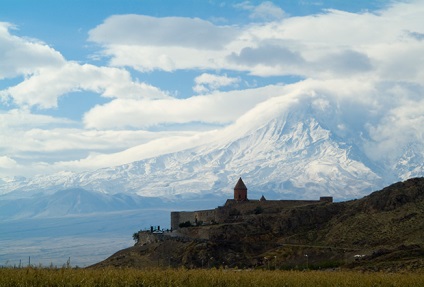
(234, 208)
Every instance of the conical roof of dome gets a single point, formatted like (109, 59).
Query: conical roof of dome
(240, 184)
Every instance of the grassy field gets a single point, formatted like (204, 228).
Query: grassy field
(215, 277)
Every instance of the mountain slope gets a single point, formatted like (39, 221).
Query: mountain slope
(285, 150)
(286, 147)
(385, 230)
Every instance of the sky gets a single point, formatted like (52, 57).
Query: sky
(84, 82)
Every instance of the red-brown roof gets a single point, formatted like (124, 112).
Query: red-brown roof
(240, 184)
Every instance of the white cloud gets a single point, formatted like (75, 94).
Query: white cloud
(162, 32)
(35, 144)
(23, 132)
(7, 162)
(208, 82)
(397, 129)
(24, 119)
(172, 43)
(19, 56)
(150, 58)
(44, 88)
(216, 108)
(155, 147)
(47, 75)
(331, 44)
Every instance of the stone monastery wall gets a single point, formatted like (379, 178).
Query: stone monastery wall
(236, 207)
(178, 217)
(233, 208)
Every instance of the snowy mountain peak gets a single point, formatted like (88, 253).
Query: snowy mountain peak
(283, 148)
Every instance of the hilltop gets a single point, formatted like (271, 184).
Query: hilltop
(384, 230)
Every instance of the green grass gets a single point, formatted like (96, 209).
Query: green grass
(215, 277)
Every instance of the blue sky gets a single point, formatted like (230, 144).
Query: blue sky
(64, 25)
(81, 82)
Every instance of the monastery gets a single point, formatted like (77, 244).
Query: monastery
(234, 209)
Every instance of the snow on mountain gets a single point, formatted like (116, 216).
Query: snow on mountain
(410, 164)
(286, 147)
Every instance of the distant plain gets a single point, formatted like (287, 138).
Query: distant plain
(84, 239)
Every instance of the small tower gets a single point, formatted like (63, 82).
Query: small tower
(240, 191)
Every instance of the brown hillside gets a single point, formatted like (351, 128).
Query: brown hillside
(384, 230)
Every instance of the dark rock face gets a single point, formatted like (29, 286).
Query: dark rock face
(396, 195)
(381, 231)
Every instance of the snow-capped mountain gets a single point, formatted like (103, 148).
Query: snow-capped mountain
(286, 147)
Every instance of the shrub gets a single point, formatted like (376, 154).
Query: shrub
(259, 209)
(136, 237)
(199, 223)
(185, 224)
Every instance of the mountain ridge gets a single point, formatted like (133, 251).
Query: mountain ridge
(284, 147)
(72, 201)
